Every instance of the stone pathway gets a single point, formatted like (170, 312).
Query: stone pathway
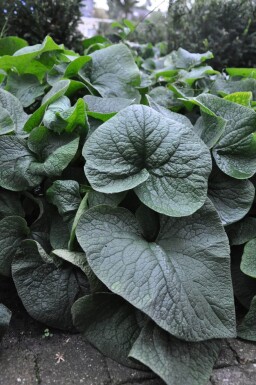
(26, 358)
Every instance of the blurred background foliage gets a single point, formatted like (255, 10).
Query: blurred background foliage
(32, 20)
(225, 27)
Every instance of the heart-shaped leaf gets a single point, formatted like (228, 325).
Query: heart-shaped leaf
(163, 160)
(182, 280)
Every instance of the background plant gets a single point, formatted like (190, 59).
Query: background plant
(32, 20)
(226, 28)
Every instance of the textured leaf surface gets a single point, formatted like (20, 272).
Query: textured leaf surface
(231, 197)
(247, 328)
(176, 362)
(109, 323)
(66, 196)
(242, 232)
(235, 151)
(13, 230)
(210, 128)
(26, 88)
(10, 204)
(182, 280)
(166, 163)
(54, 94)
(184, 59)
(5, 317)
(15, 160)
(47, 292)
(114, 72)
(105, 108)
(248, 263)
(54, 152)
(15, 110)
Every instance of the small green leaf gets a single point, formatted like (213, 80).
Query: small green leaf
(248, 262)
(14, 114)
(243, 98)
(54, 152)
(66, 196)
(26, 88)
(231, 197)
(184, 59)
(10, 44)
(235, 151)
(58, 90)
(15, 160)
(47, 291)
(105, 108)
(242, 232)
(247, 328)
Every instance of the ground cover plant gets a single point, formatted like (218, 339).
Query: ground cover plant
(127, 200)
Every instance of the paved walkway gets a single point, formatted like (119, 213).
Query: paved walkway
(27, 358)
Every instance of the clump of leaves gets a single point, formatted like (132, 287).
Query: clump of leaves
(118, 213)
(33, 19)
(224, 27)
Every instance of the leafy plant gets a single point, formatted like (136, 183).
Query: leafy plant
(33, 19)
(227, 28)
(122, 188)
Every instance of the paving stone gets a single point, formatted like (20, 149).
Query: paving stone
(227, 357)
(17, 366)
(245, 351)
(28, 359)
(68, 359)
(235, 375)
(121, 375)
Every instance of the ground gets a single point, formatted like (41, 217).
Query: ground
(29, 357)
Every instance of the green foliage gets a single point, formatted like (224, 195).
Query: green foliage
(227, 28)
(33, 19)
(124, 179)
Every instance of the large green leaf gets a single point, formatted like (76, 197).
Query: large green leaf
(231, 197)
(15, 160)
(247, 328)
(176, 362)
(11, 105)
(13, 231)
(235, 151)
(113, 72)
(163, 160)
(5, 317)
(46, 290)
(109, 323)
(182, 280)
